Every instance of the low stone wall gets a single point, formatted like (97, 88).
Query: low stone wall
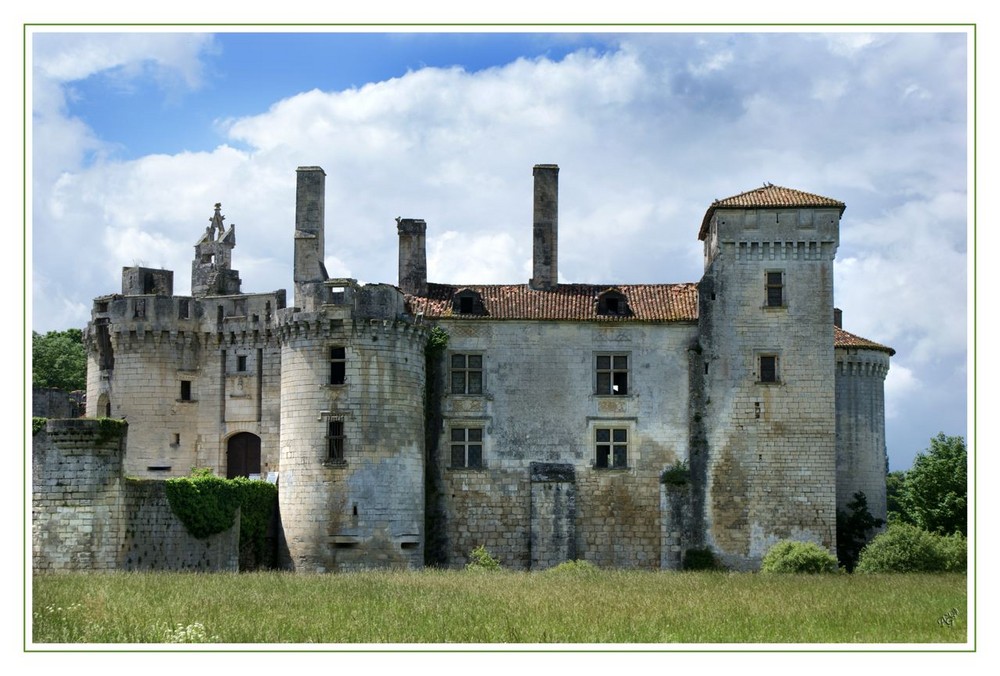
(87, 516)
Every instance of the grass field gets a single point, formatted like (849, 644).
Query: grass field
(600, 606)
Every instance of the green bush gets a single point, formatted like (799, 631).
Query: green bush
(699, 559)
(678, 474)
(575, 567)
(480, 559)
(904, 548)
(792, 556)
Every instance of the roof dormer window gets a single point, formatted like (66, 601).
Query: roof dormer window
(468, 302)
(612, 303)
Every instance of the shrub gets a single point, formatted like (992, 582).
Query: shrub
(792, 556)
(700, 559)
(904, 548)
(480, 559)
(575, 567)
(678, 474)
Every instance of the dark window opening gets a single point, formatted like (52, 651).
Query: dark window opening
(612, 374)
(775, 289)
(338, 365)
(335, 442)
(219, 314)
(612, 447)
(612, 303)
(139, 308)
(466, 447)
(466, 374)
(158, 468)
(185, 390)
(177, 439)
(107, 410)
(102, 307)
(465, 305)
(768, 369)
(241, 363)
(267, 311)
(183, 309)
(468, 302)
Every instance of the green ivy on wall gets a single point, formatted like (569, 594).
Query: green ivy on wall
(206, 505)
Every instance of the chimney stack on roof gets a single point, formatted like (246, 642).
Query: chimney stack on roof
(545, 230)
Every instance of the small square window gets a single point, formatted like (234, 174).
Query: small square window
(335, 440)
(466, 374)
(768, 368)
(612, 374)
(611, 445)
(338, 365)
(466, 447)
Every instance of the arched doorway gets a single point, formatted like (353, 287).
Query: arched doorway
(242, 455)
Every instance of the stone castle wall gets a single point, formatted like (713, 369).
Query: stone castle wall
(366, 508)
(87, 516)
(770, 445)
(539, 405)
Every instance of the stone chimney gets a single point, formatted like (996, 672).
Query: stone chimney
(310, 244)
(545, 231)
(412, 256)
(838, 318)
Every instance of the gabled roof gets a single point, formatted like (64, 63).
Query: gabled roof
(646, 302)
(842, 338)
(769, 197)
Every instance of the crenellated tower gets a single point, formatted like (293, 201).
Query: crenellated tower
(768, 455)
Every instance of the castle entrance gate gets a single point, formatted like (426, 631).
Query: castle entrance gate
(553, 514)
(242, 455)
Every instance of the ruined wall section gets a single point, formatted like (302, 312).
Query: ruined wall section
(770, 446)
(539, 405)
(76, 504)
(861, 452)
(352, 433)
(87, 516)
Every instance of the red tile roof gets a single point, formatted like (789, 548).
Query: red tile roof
(842, 338)
(646, 302)
(578, 302)
(769, 197)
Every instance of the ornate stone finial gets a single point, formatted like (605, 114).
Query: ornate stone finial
(216, 229)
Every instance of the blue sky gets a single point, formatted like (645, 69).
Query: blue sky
(136, 135)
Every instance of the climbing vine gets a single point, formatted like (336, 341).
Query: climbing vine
(207, 504)
(37, 425)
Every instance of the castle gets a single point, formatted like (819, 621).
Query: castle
(621, 424)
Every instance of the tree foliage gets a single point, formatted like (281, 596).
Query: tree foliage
(905, 548)
(934, 491)
(58, 359)
(854, 528)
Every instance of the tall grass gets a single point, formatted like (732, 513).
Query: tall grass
(598, 606)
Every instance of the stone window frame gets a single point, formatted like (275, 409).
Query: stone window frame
(612, 433)
(463, 436)
(612, 369)
(467, 372)
(775, 293)
(337, 355)
(336, 440)
(767, 363)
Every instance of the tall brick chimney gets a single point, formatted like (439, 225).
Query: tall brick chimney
(412, 256)
(545, 231)
(310, 240)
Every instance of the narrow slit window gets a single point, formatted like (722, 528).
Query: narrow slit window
(185, 390)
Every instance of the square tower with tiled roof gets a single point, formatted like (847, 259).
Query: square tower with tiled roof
(767, 450)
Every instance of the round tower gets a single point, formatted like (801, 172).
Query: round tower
(860, 395)
(352, 432)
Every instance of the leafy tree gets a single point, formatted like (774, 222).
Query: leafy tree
(895, 508)
(853, 530)
(936, 488)
(58, 359)
(904, 548)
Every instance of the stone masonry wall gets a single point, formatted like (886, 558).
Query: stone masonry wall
(86, 516)
(539, 406)
(861, 452)
(365, 509)
(771, 445)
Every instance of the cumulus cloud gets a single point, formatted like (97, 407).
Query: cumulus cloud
(647, 133)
